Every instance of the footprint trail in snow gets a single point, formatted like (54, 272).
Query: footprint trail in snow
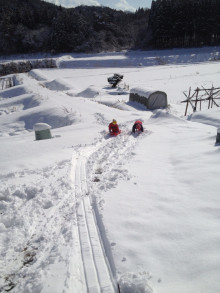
(94, 169)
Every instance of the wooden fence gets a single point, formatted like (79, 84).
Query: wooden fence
(198, 96)
(6, 82)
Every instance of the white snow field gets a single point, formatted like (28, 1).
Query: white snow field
(85, 212)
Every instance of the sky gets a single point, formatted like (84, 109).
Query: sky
(129, 5)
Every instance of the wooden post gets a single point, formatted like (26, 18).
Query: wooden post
(209, 95)
(187, 104)
(212, 96)
(209, 98)
(218, 136)
(197, 92)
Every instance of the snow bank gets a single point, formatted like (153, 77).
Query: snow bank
(56, 117)
(37, 74)
(210, 117)
(164, 116)
(140, 58)
(90, 92)
(57, 85)
(23, 121)
(14, 91)
(63, 60)
(135, 283)
(73, 92)
(22, 102)
(116, 102)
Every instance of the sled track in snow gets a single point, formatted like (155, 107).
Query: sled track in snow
(96, 269)
(97, 274)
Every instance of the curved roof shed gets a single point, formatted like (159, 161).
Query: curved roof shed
(152, 99)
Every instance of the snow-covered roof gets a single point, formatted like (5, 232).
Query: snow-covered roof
(142, 91)
(41, 126)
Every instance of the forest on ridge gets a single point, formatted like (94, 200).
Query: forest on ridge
(28, 26)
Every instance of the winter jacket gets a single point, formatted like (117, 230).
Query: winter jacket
(137, 126)
(113, 128)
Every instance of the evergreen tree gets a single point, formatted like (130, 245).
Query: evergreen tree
(184, 23)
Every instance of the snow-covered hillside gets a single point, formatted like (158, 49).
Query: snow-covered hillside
(85, 212)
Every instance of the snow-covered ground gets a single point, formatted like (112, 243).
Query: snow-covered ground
(83, 212)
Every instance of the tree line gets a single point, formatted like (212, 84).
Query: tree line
(28, 26)
(184, 23)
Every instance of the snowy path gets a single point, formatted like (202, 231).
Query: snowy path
(96, 271)
(100, 158)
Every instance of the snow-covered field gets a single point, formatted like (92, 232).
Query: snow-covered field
(83, 212)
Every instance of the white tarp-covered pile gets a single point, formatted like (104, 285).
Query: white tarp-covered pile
(152, 99)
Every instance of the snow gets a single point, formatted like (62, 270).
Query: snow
(85, 212)
(142, 91)
(41, 126)
(207, 117)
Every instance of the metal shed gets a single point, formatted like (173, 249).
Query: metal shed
(152, 99)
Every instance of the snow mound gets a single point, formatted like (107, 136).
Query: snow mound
(90, 92)
(165, 115)
(20, 122)
(116, 103)
(73, 92)
(210, 117)
(55, 117)
(14, 91)
(135, 283)
(137, 106)
(37, 74)
(64, 60)
(57, 85)
(22, 102)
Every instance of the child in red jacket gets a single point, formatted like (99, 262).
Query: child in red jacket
(113, 128)
(137, 127)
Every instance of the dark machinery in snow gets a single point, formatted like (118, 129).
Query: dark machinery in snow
(115, 79)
